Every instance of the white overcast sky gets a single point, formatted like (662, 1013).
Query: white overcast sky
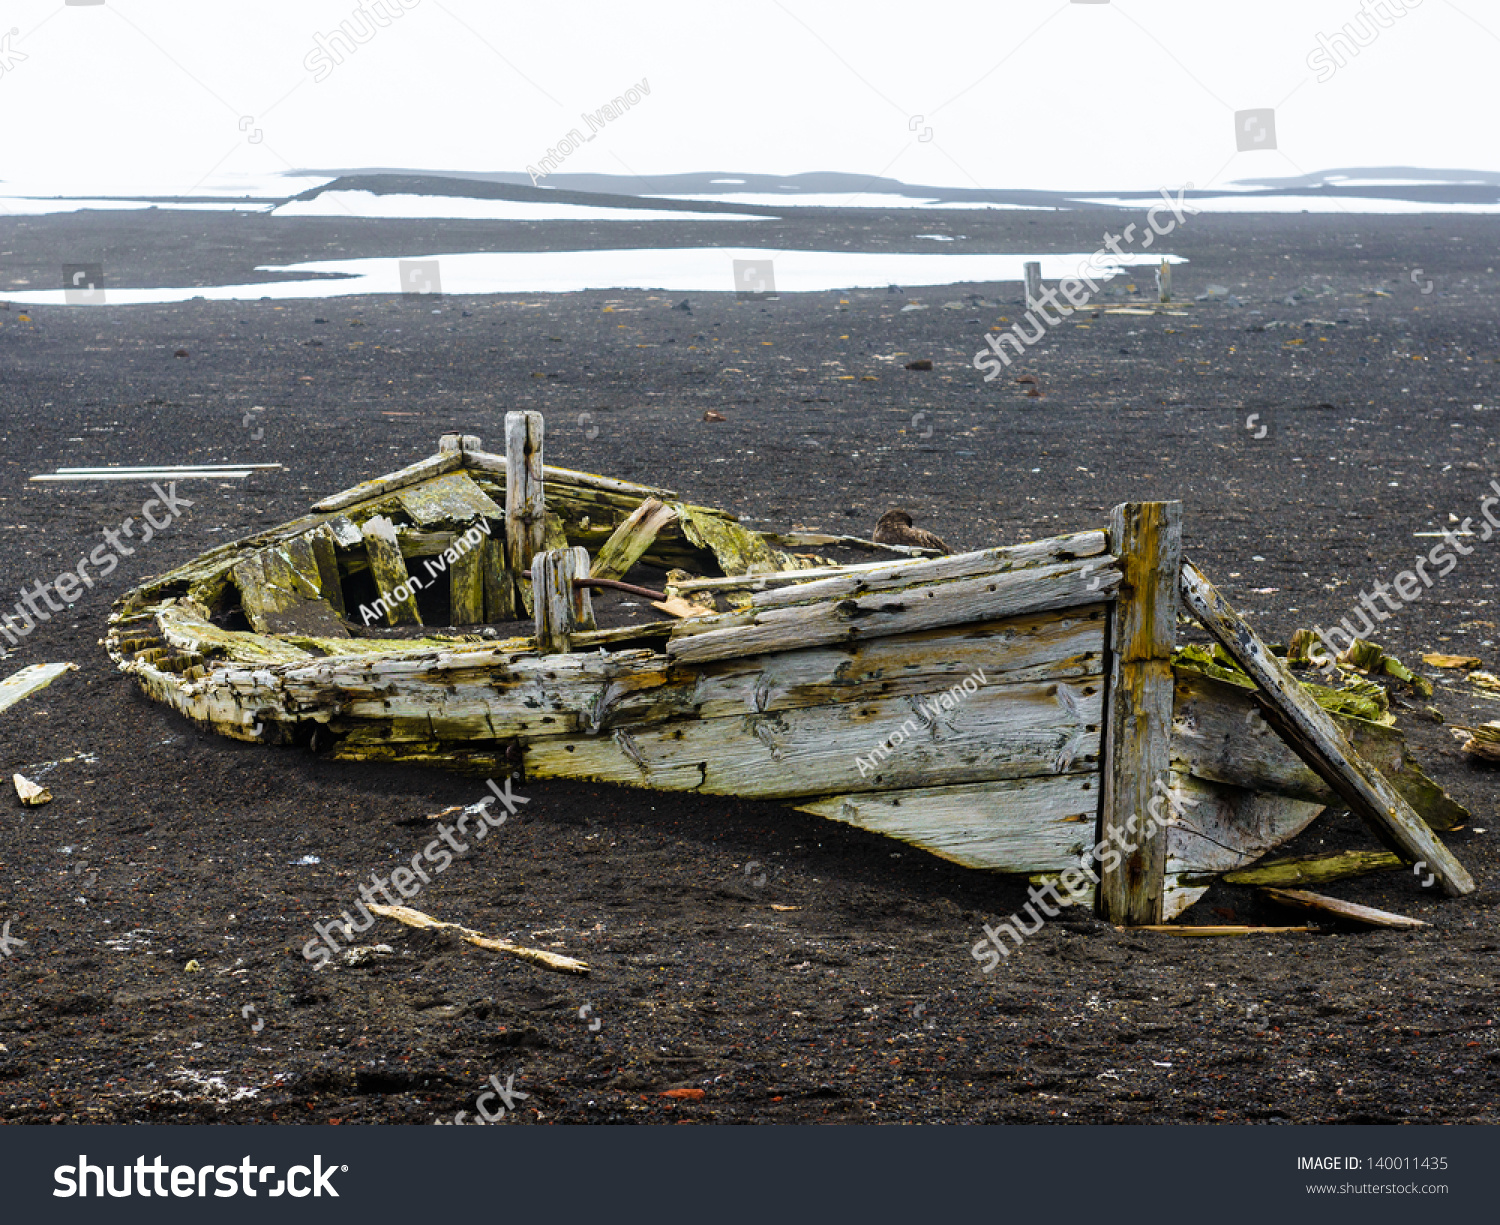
(154, 94)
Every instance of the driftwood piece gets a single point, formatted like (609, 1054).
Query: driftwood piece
(891, 576)
(1315, 869)
(1318, 741)
(281, 591)
(1221, 929)
(415, 474)
(525, 499)
(1026, 825)
(1218, 733)
(453, 498)
(1146, 539)
(1300, 899)
(540, 957)
(985, 598)
(1482, 742)
(28, 680)
(561, 608)
(388, 568)
(32, 795)
(631, 539)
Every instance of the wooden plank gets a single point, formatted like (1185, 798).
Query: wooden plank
(345, 533)
(1218, 733)
(1220, 929)
(28, 680)
(561, 608)
(393, 585)
(499, 590)
(736, 549)
(1023, 825)
(466, 582)
(1146, 538)
(325, 553)
(281, 592)
(525, 501)
(631, 539)
(888, 576)
(449, 499)
(416, 473)
(1318, 741)
(1315, 869)
(1300, 899)
(1000, 732)
(502, 694)
(1217, 828)
(959, 602)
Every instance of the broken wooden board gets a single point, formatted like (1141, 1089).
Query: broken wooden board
(1220, 929)
(453, 498)
(1300, 899)
(1146, 540)
(910, 609)
(631, 539)
(415, 474)
(28, 680)
(1219, 733)
(1318, 741)
(1023, 825)
(466, 584)
(869, 578)
(1315, 869)
(393, 585)
(281, 592)
(737, 550)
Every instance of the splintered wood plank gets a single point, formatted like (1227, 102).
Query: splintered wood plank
(1300, 899)
(1315, 869)
(561, 608)
(1002, 731)
(737, 550)
(393, 585)
(1307, 727)
(525, 500)
(325, 552)
(631, 539)
(1146, 538)
(281, 592)
(28, 680)
(346, 533)
(1043, 824)
(453, 498)
(1219, 733)
(872, 577)
(423, 470)
(499, 590)
(961, 601)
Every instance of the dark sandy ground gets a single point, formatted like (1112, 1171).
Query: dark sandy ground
(789, 968)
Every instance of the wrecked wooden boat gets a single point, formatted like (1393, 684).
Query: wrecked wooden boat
(1013, 709)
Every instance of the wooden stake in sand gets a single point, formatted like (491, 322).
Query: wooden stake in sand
(415, 918)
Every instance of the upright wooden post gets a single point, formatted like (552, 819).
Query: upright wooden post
(1033, 284)
(1164, 282)
(561, 609)
(1147, 539)
(525, 499)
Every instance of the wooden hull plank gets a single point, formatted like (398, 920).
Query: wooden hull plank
(281, 593)
(1002, 731)
(1043, 824)
(388, 568)
(450, 499)
(962, 601)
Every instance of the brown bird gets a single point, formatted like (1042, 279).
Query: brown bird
(895, 528)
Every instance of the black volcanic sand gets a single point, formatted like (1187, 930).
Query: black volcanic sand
(788, 967)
